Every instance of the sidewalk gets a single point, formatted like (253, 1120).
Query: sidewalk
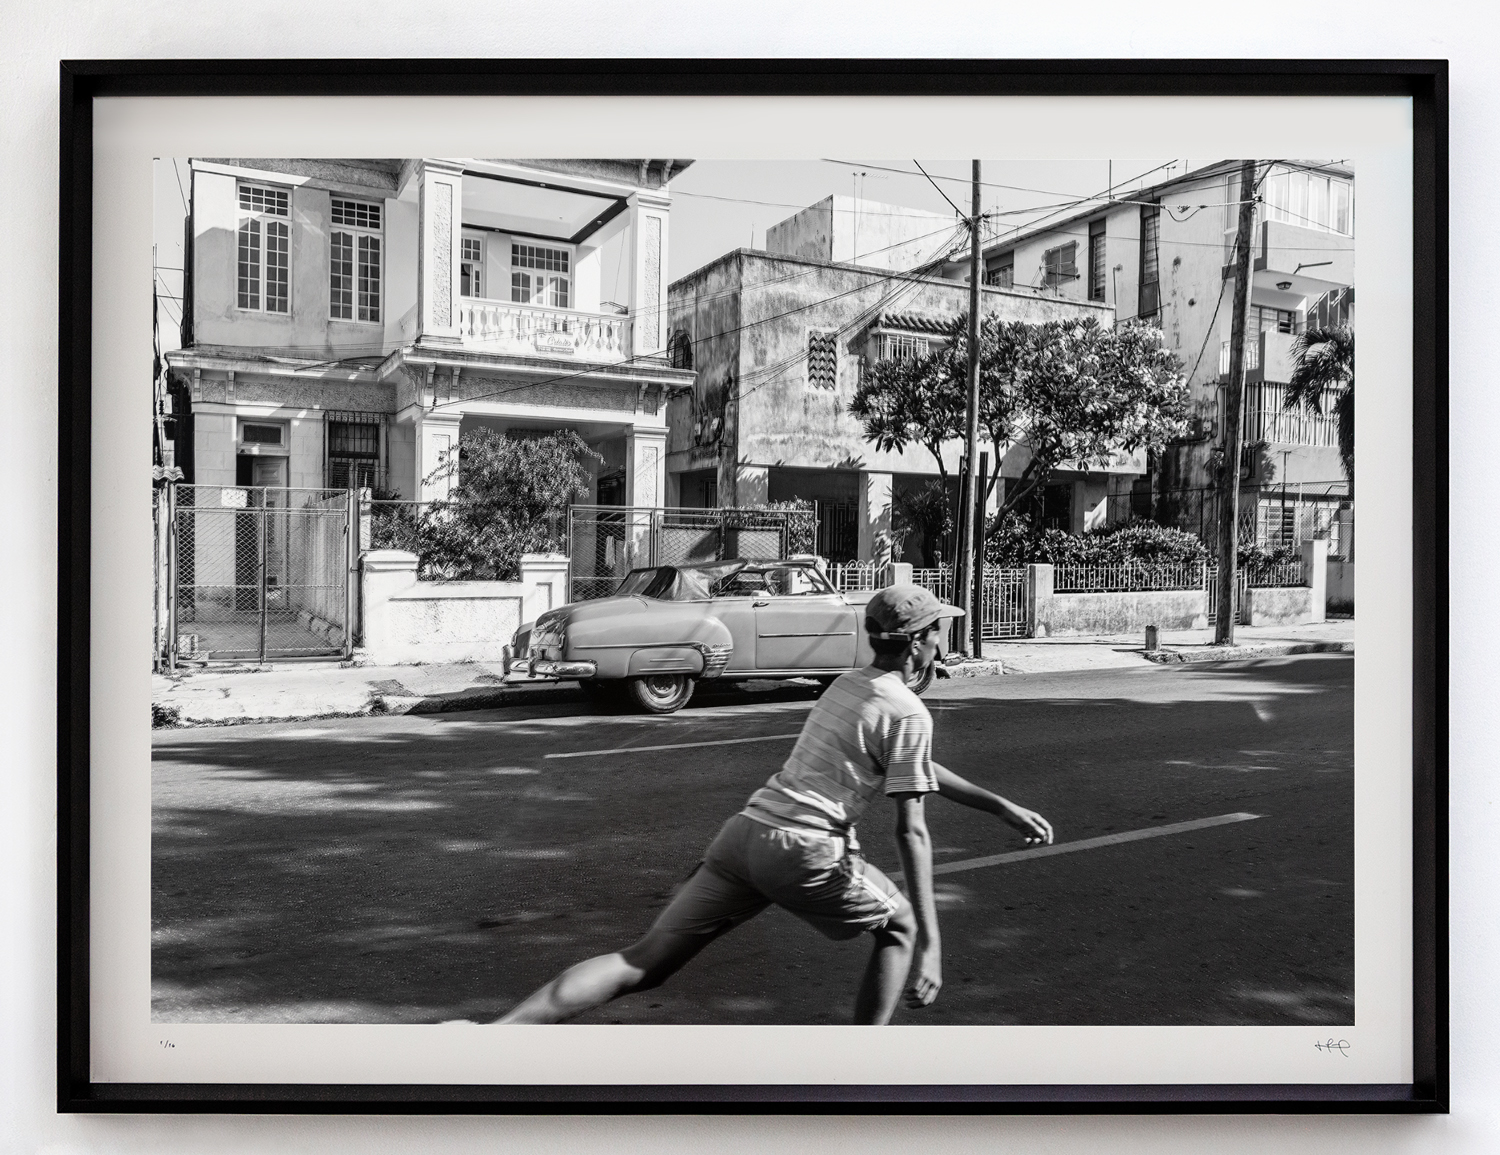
(1048, 655)
(285, 692)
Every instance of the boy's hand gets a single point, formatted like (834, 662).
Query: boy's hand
(1038, 830)
(926, 977)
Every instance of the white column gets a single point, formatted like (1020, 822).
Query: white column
(437, 443)
(1315, 575)
(440, 216)
(874, 516)
(648, 301)
(645, 467)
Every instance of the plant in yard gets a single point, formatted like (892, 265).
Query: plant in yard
(1323, 381)
(927, 513)
(510, 497)
(1072, 395)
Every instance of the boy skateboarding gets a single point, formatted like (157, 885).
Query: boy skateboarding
(794, 845)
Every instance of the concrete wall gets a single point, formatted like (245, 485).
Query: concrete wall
(1064, 615)
(1340, 585)
(862, 232)
(403, 620)
(1282, 606)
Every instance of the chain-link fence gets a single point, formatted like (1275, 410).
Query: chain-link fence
(259, 573)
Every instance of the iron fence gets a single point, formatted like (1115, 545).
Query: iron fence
(1270, 575)
(855, 576)
(1127, 576)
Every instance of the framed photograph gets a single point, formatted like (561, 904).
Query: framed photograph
(685, 550)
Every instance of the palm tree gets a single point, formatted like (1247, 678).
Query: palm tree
(1324, 370)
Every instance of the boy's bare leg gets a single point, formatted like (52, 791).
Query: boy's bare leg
(596, 981)
(885, 974)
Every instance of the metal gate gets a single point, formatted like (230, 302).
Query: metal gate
(1211, 590)
(606, 542)
(259, 573)
(1003, 604)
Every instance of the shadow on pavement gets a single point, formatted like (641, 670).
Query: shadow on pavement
(421, 869)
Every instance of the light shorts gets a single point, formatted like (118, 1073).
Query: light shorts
(750, 865)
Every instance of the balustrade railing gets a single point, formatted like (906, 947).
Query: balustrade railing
(510, 327)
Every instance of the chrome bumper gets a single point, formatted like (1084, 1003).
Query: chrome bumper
(543, 668)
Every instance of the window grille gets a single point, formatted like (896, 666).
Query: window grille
(352, 441)
(260, 434)
(822, 360)
(680, 350)
(901, 346)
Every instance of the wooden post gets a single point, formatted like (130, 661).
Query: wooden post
(962, 569)
(976, 607)
(1234, 392)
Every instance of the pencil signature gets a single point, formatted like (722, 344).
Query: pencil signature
(1341, 1046)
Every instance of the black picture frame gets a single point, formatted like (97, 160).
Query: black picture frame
(1425, 82)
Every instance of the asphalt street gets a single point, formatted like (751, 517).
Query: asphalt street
(419, 869)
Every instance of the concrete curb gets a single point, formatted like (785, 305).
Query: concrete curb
(1240, 653)
(979, 668)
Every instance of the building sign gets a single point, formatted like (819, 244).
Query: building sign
(555, 341)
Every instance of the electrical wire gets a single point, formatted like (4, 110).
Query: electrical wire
(935, 185)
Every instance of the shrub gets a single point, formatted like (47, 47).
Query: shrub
(511, 498)
(1016, 542)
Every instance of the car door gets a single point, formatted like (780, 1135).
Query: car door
(801, 625)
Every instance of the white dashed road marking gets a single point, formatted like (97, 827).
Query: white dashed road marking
(1094, 843)
(670, 746)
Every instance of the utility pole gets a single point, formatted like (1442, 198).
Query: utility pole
(1234, 392)
(963, 572)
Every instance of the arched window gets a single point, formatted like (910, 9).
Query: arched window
(680, 350)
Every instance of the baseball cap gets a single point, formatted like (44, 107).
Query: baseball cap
(906, 609)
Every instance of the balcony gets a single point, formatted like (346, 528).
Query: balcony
(1271, 357)
(537, 331)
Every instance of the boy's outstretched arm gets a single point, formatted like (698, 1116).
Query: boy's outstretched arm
(958, 789)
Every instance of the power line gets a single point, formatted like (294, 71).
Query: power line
(935, 185)
(180, 192)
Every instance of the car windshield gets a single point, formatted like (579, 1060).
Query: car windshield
(777, 581)
(728, 579)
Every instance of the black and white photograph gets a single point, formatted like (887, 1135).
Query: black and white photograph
(753, 592)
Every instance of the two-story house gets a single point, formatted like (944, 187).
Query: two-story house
(1164, 254)
(345, 322)
(779, 341)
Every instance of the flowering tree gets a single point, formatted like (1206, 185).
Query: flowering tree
(1072, 394)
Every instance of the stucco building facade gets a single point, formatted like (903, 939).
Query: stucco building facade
(779, 341)
(347, 321)
(1164, 255)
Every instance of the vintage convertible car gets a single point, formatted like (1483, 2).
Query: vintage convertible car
(668, 627)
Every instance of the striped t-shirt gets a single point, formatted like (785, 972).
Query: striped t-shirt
(868, 735)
